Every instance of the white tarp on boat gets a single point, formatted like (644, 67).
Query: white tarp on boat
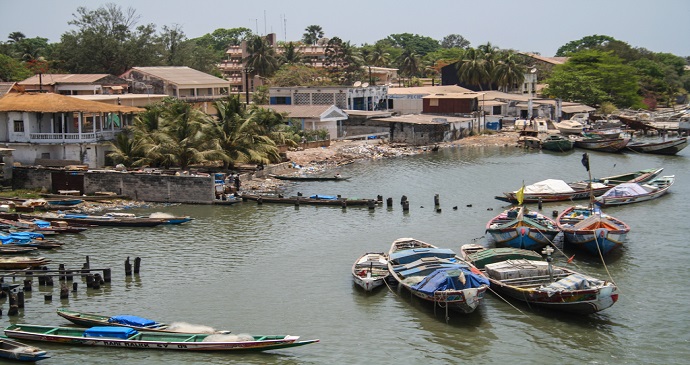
(550, 186)
(626, 189)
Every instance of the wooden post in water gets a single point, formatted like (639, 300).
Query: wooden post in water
(403, 199)
(20, 299)
(128, 267)
(49, 281)
(89, 281)
(74, 286)
(41, 280)
(372, 204)
(48, 297)
(406, 206)
(389, 202)
(61, 267)
(14, 308)
(64, 291)
(539, 203)
(96, 283)
(343, 204)
(437, 200)
(69, 276)
(379, 198)
(106, 275)
(27, 284)
(137, 264)
(259, 201)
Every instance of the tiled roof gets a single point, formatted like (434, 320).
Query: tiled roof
(55, 103)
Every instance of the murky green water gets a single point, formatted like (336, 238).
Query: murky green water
(275, 269)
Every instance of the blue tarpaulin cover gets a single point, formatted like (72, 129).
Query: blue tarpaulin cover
(131, 320)
(325, 197)
(447, 279)
(110, 332)
(407, 256)
(42, 224)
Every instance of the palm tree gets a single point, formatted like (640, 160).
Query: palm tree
(126, 149)
(312, 34)
(509, 72)
(379, 57)
(291, 55)
(186, 141)
(262, 58)
(490, 54)
(240, 137)
(472, 68)
(408, 63)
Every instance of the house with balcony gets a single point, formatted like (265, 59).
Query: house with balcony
(313, 117)
(180, 82)
(360, 97)
(74, 84)
(56, 130)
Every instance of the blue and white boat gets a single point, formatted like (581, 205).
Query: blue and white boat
(436, 275)
(591, 229)
(518, 227)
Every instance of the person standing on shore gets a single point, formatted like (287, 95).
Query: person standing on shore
(237, 183)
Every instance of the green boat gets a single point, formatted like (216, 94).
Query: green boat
(125, 337)
(557, 143)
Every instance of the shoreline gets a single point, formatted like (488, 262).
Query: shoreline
(343, 152)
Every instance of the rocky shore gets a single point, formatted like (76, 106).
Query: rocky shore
(318, 160)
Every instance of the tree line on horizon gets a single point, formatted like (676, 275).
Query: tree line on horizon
(109, 40)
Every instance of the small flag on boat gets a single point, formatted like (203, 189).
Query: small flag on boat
(585, 160)
(571, 258)
(520, 194)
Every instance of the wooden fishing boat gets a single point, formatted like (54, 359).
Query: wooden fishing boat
(64, 202)
(524, 275)
(29, 223)
(436, 275)
(557, 143)
(591, 229)
(84, 197)
(520, 228)
(101, 220)
(602, 144)
(10, 249)
(370, 270)
(15, 350)
(168, 219)
(309, 178)
(22, 262)
(124, 337)
(669, 147)
(552, 190)
(312, 200)
(628, 193)
(138, 323)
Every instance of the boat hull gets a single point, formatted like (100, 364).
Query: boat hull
(18, 351)
(150, 340)
(578, 301)
(603, 145)
(600, 241)
(671, 147)
(523, 237)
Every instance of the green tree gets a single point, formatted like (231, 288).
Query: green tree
(312, 34)
(126, 149)
(172, 39)
(13, 70)
(106, 41)
(378, 56)
(455, 41)
(588, 42)
(420, 45)
(342, 61)
(299, 75)
(603, 75)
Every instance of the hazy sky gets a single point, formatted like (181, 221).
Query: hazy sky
(529, 26)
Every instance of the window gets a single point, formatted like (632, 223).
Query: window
(433, 102)
(19, 126)
(496, 110)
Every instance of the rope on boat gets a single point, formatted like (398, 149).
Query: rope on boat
(601, 256)
(507, 302)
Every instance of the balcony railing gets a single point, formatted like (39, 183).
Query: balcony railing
(72, 137)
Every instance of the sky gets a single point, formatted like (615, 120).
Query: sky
(540, 26)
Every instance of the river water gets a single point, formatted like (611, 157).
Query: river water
(281, 269)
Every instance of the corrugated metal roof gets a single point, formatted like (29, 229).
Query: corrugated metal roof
(577, 109)
(299, 111)
(444, 89)
(54, 103)
(183, 75)
(5, 87)
(469, 95)
(52, 79)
